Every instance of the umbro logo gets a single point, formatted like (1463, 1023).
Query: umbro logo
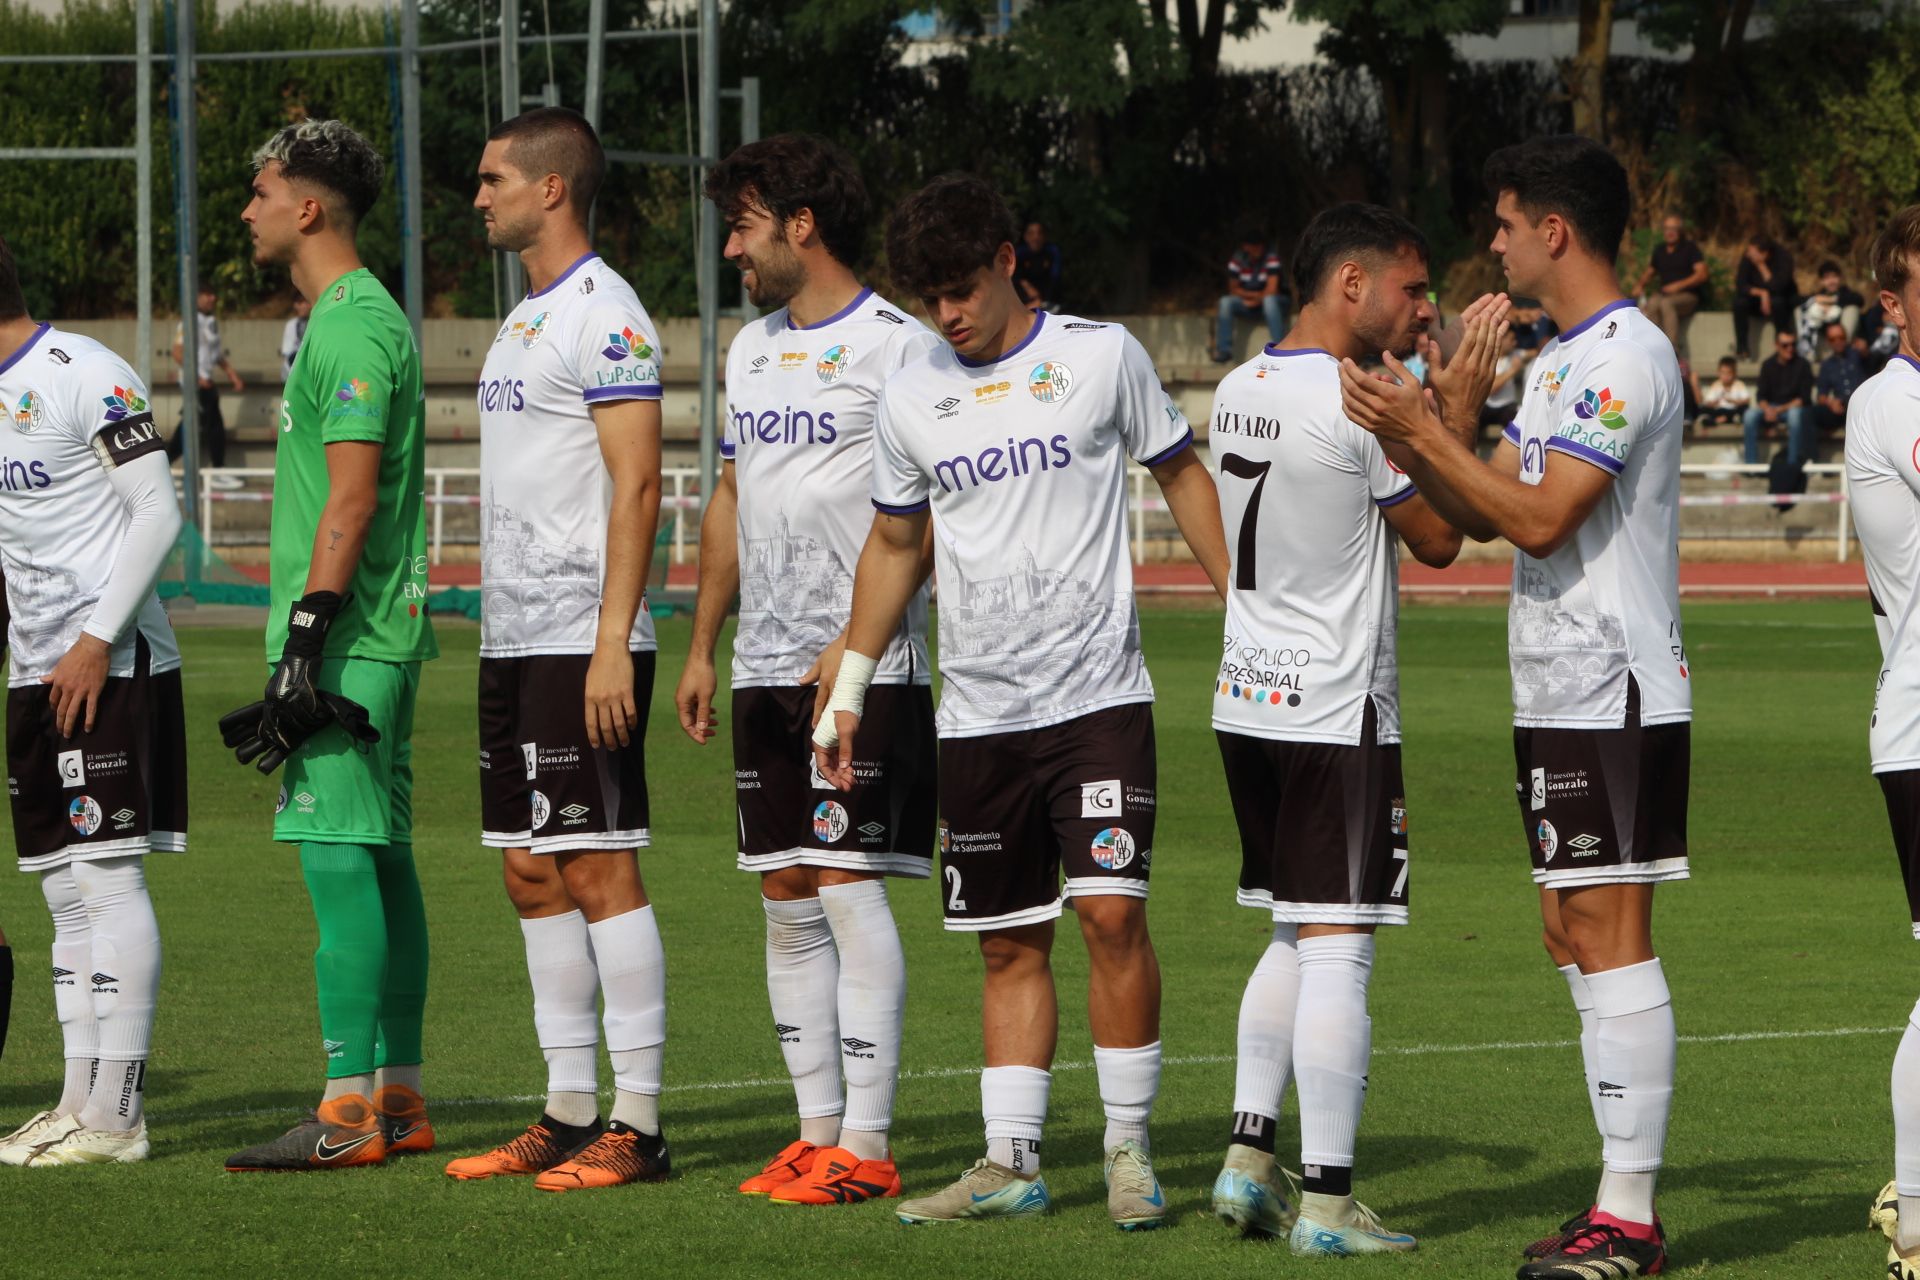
(856, 1047)
(59, 973)
(333, 1047)
(759, 361)
(102, 979)
(574, 813)
(873, 829)
(1608, 1089)
(1584, 846)
(787, 1034)
(948, 407)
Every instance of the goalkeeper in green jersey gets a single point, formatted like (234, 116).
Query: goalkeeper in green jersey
(346, 635)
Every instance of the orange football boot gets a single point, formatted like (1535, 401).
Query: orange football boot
(545, 1144)
(339, 1134)
(620, 1155)
(840, 1177)
(403, 1117)
(793, 1162)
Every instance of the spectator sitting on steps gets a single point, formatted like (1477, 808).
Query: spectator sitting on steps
(1785, 387)
(1726, 399)
(1254, 287)
(1036, 268)
(1681, 270)
(1830, 301)
(1841, 373)
(1763, 292)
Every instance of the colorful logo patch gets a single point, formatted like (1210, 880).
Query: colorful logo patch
(829, 821)
(627, 343)
(27, 417)
(833, 364)
(535, 330)
(351, 390)
(1552, 380)
(124, 402)
(1050, 382)
(1600, 406)
(1113, 849)
(84, 814)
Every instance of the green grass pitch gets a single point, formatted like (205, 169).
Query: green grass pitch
(1788, 955)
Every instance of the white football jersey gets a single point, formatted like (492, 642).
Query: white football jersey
(1605, 607)
(61, 523)
(1315, 600)
(799, 432)
(1024, 462)
(1883, 479)
(545, 492)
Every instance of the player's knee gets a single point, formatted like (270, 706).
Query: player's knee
(788, 884)
(534, 888)
(1113, 925)
(1012, 953)
(603, 884)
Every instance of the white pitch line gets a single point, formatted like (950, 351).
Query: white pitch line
(1188, 1060)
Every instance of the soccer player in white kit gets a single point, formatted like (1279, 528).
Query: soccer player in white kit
(96, 737)
(1586, 485)
(1306, 706)
(570, 491)
(784, 529)
(1883, 477)
(1013, 440)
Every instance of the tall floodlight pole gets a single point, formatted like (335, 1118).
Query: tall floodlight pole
(708, 276)
(186, 160)
(509, 108)
(596, 61)
(412, 231)
(143, 183)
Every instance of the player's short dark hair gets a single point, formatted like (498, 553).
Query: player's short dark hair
(793, 171)
(327, 154)
(1568, 175)
(556, 140)
(13, 302)
(945, 232)
(1895, 248)
(1352, 231)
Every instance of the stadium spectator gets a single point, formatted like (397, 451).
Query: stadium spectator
(211, 355)
(294, 333)
(1255, 286)
(1830, 301)
(1782, 391)
(1875, 337)
(1841, 373)
(1725, 399)
(1763, 292)
(1681, 270)
(1508, 374)
(1036, 268)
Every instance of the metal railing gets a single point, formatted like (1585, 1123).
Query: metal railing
(681, 497)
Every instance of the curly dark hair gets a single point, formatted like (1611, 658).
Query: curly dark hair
(793, 171)
(556, 140)
(946, 231)
(1568, 175)
(1352, 231)
(329, 155)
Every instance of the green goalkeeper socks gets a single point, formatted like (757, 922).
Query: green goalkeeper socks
(403, 998)
(370, 969)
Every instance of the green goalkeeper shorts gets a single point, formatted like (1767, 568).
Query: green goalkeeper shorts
(337, 790)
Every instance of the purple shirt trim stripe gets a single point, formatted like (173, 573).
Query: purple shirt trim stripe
(1567, 335)
(1512, 432)
(561, 279)
(1297, 351)
(836, 317)
(907, 510)
(1039, 320)
(14, 359)
(1184, 442)
(1395, 499)
(1586, 453)
(632, 391)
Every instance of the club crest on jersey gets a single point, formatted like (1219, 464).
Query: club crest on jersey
(627, 343)
(1600, 406)
(834, 363)
(123, 403)
(1050, 382)
(1548, 838)
(1551, 380)
(84, 815)
(27, 415)
(536, 329)
(829, 821)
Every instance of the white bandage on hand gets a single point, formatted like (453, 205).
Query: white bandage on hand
(849, 695)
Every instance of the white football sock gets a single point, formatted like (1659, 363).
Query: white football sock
(341, 1086)
(1129, 1082)
(872, 1006)
(566, 995)
(1634, 1045)
(1332, 1039)
(1583, 1005)
(72, 986)
(1263, 1061)
(126, 981)
(633, 984)
(1013, 1100)
(1906, 1131)
(803, 980)
(404, 1075)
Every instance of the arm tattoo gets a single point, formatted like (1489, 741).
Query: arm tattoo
(336, 535)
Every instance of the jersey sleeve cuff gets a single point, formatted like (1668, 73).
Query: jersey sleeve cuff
(726, 451)
(1512, 433)
(900, 509)
(630, 391)
(353, 435)
(1586, 453)
(1396, 498)
(1184, 442)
